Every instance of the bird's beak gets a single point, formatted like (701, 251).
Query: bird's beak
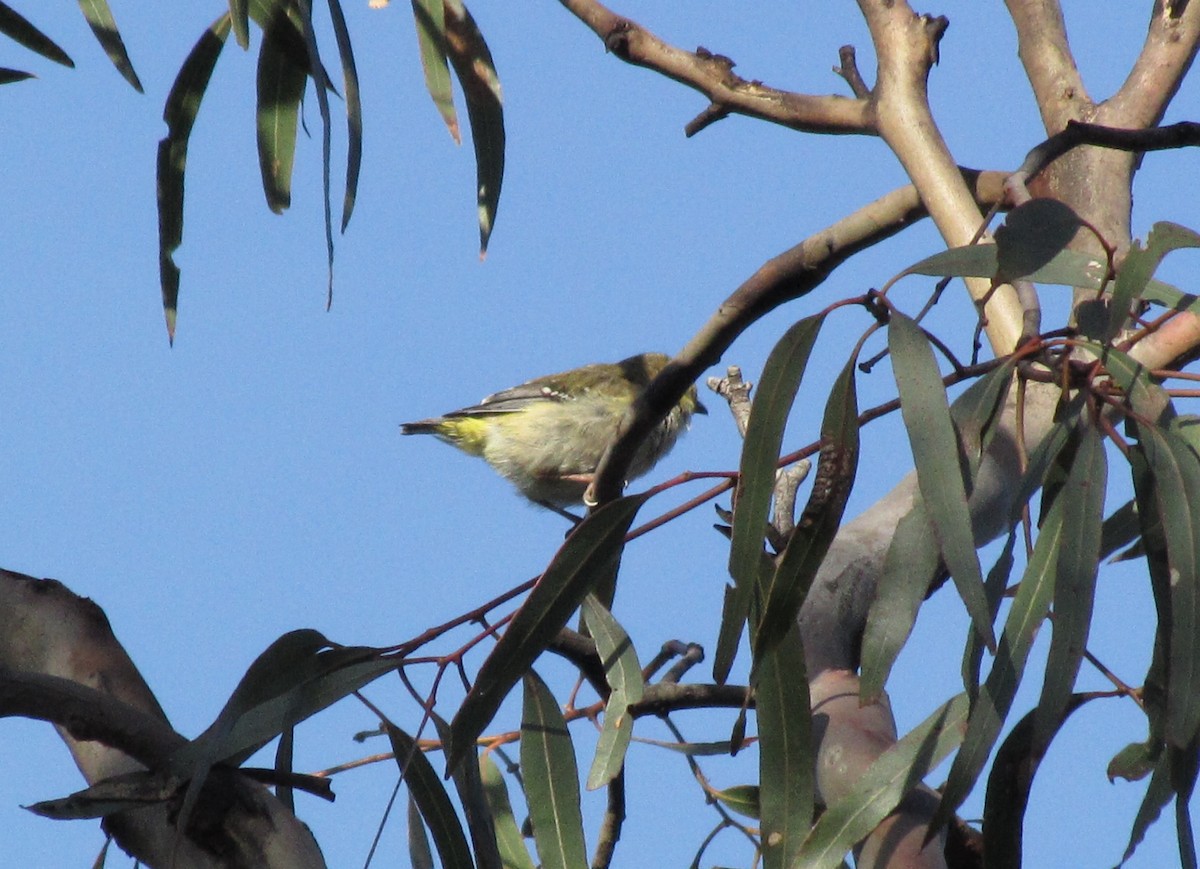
(700, 408)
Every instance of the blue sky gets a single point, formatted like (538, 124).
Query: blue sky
(252, 479)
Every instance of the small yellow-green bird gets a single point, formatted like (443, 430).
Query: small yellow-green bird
(547, 436)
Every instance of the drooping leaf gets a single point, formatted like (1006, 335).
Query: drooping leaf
(743, 799)
(353, 109)
(17, 28)
(430, 17)
(239, 14)
(104, 26)
(1120, 529)
(472, 61)
(909, 568)
(1139, 266)
(1074, 582)
(513, 853)
(939, 473)
(433, 802)
(183, 102)
(880, 789)
(784, 594)
(991, 707)
(993, 589)
(1158, 794)
(912, 562)
(298, 675)
(1176, 490)
(321, 82)
(9, 76)
(119, 793)
(1135, 761)
(1033, 234)
(281, 82)
(1009, 784)
(420, 855)
(624, 676)
(551, 779)
(785, 752)
(476, 809)
(589, 556)
(773, 401)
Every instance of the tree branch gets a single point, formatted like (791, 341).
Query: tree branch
(788, 276)
(1167, 54)
(712, 75)
(907, 47)
(73, 671)
(1046, 55)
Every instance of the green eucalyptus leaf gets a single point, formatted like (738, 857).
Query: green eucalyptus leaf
(773, 401)
(939, 474)
(432, 800)
(879, 790)
(991, 707)
(104, 26)
(588, 559)
(783, 596)
(513, 853)
(551, 779)
(785, 752)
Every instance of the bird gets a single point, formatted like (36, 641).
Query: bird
(547, 435)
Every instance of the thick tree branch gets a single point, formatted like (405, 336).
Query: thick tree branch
(59, 661)
(907, 45)
(712, 75)
(790, 275)
(1046, 55)
(1166, 56)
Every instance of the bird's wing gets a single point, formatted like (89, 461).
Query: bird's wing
(515, 399)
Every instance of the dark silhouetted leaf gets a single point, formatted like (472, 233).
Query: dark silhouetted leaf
(17, 28)
(419, 852)
(472, 61)
(476, 808)
(1009, 783)
(183, 102)
(1075, 580)
(880, 789)
(939, 473)
(589, 556)
(433, 802)
(773, 401)
(551, 779)
(1158, 794)
(104, 26)
(1176, 490)
(991, 707)
(785, 752)
(353, 109)
(9, 76)
(993, 589)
